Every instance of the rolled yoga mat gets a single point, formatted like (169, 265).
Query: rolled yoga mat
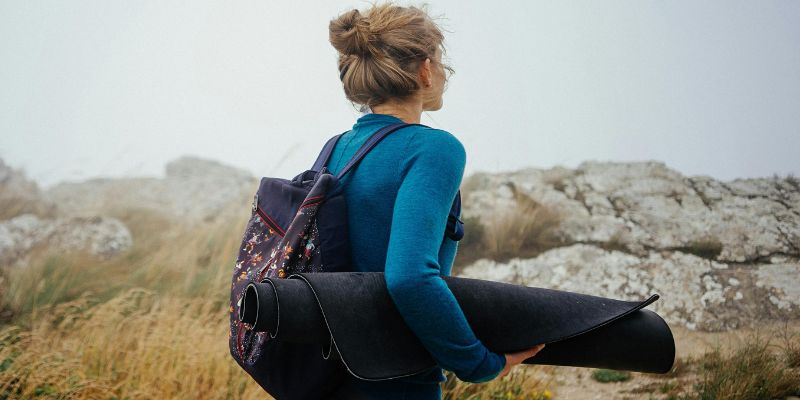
(353, 313)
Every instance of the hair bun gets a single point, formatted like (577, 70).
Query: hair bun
(381, 51)
(350, 34)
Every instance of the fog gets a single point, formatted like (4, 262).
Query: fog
(119, 88)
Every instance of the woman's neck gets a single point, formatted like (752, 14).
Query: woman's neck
(408, 111)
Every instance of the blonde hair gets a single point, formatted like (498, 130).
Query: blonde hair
(381, 50)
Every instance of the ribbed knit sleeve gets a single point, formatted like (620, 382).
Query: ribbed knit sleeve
(431, 174)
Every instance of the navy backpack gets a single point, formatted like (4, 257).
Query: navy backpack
(299, 225)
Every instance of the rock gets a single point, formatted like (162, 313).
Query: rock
(100, 236)
(721, 254)
(71, 216)
(193, 190)
(645, 206)
(697, 293)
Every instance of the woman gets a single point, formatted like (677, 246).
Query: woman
(390, 62)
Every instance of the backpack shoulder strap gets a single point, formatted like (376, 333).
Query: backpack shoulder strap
(455, 226)
(325, 154)
(370, 143)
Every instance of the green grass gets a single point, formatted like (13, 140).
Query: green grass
(610, 375)
(706, 247)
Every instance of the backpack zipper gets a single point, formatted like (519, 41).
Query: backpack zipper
(264, 217)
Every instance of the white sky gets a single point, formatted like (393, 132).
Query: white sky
(113, 88)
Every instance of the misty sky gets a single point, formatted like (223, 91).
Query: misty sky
(113, 88)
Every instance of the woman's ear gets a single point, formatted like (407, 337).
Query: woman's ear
(425, 73)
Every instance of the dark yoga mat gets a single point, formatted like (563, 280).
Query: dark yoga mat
(353, 313)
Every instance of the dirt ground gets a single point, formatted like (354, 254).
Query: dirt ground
(577, 383)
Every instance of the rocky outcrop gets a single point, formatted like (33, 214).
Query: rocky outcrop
(75, 216)
(193, 190)
(23, 234)
(19, 195)
(644, 207)
(721, 254)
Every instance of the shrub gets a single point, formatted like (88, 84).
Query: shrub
(793, 181)
(525, 230)
(472, 246)
(753, 371)
(610, 375)
(706, 247)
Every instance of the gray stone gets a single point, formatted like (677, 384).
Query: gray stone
(193, 190)
(646, 206)
(101, 236)
(697, 293)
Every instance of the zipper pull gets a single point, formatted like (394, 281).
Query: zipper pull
(255, 202)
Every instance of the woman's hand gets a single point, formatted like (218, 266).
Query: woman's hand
(513, 359)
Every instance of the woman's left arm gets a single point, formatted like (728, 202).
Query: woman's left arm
(432, 173)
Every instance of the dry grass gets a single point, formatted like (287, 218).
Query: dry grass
(168, 259)
(753, 371)
(761, 366)
(149, 323)
(12, 206)
(522, 383)
(138, 345)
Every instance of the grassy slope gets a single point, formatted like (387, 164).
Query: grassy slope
(152, 323)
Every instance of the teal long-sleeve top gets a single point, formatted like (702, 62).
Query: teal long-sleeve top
(398, 200)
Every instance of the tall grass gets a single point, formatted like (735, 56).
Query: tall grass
(759, 366)
(756, 370)
(12, 205)
(522, 383)
(181, 260)
(138, 345)
(149, 323)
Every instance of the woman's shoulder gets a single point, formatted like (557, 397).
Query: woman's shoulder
(426, 138)
(428, 147)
